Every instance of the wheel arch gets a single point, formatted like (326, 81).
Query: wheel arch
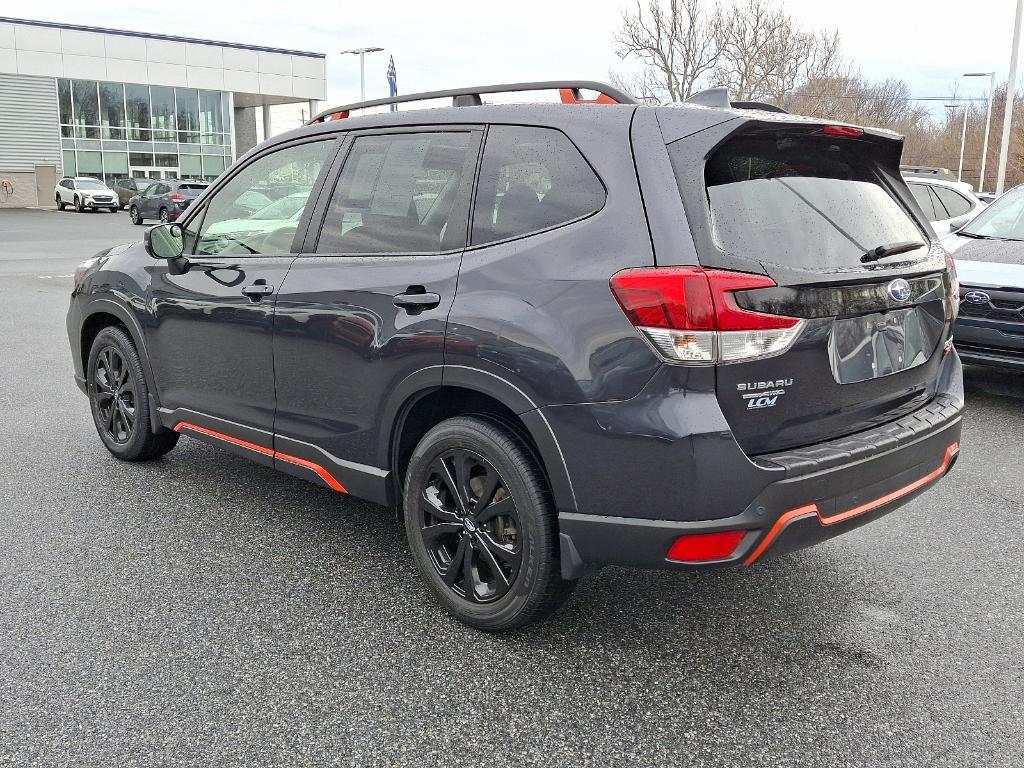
(103, 313)
(428, 397)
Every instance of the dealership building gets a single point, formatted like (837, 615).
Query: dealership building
(109, 103)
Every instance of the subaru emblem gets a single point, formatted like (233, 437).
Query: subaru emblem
(899, 289)
(977, 297)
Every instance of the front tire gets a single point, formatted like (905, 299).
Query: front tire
(481, 525)
(78, 204)
(119, 399)
(134, 214)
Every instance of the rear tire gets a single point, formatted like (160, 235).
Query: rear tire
(119, 399)
(164, 217)
(61, 205)
(504, 517)
(136, 218)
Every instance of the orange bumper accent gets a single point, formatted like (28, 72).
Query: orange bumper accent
(324, 475)
(811, 510)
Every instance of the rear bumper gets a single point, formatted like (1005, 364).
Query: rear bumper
(825, 490)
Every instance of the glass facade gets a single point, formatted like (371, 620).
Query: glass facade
(114, 130)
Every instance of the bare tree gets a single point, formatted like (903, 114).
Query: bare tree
(678, 40)
(644, 85)
(764, 51)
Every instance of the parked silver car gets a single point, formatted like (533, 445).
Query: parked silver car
(989, 256)
(947, 204)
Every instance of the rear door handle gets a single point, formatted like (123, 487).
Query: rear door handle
(414, 303)
(258, 290)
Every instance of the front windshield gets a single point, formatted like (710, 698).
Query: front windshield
(90, 185)
(1003, 219)
(284, 208)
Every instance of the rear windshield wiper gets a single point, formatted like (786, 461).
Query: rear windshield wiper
(892, 249)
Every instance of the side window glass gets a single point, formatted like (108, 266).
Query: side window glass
(531, 179)
(148, 190)
(239, 220)
(956, 204)
(940, 209)
(924, 200)
(396, 194)
(190, 231)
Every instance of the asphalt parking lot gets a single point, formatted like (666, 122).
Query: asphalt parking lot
(203, 610)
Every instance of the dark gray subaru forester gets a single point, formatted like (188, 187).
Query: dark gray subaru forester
(557, 336)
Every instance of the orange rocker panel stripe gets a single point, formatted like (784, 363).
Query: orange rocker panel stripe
(811, 510)
(324, 475)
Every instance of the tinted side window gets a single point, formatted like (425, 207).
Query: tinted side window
(396, 194)
(531, 179)
(232, 224)
(955, 203)
(924, 200)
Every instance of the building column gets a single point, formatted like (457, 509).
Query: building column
(266, 122)
(314, 107)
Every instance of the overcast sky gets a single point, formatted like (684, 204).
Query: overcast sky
(443, 44)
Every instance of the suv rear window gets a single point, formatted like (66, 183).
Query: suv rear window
(195, 188)
(802, 201)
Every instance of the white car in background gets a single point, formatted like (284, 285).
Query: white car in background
(948, 205)
(277, 218)
(86, 194)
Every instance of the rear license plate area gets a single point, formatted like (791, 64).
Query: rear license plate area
(882, 343)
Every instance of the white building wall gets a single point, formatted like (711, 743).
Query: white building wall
(28, 123)
(27, 49)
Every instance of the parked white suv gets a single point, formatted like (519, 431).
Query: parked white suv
(947, 204)
(85, 193)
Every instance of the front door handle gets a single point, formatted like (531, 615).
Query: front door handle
(258, 290)
(414, 303)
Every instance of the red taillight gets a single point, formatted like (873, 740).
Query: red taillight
(671, 297)
(178, 198)
(705, 547)
(690, 314)
(842, 131)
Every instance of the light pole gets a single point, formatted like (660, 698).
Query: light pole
(988, 120)
(362, 66)
(963, 139)
(1011, 91)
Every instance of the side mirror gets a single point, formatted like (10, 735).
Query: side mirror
(959, 221)
(165, 241)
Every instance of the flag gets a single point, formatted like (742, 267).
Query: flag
(392, 81)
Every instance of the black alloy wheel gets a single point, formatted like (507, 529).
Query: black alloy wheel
(470, 526)
(120, 401)
(115, 396)
(481, 524)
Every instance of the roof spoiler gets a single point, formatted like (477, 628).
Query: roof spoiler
(719, 98)
(568, 91)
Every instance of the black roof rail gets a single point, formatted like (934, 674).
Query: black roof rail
(569, 91)
(719, 98)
